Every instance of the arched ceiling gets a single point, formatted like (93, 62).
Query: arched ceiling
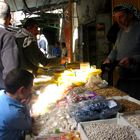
(30, 6)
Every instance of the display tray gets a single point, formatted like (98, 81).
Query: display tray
(81, 126)
(132, 119)
(129, 99)
(72, 135)
(110, 92)
(115, 121)
(118, 97)
(126, 97)
(128, 103)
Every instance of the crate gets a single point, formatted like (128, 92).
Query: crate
(116, 121)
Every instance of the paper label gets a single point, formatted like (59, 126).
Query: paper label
(112, 104)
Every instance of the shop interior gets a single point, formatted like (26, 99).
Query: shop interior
(72, 99)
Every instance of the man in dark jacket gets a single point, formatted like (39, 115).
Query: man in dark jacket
(30, 55)
(8, 47)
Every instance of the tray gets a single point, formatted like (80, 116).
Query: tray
(130, 104)
(124, 118)
(118, 121)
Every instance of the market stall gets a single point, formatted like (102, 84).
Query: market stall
(67, 97)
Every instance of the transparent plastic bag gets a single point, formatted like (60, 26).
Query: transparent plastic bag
(94, 109)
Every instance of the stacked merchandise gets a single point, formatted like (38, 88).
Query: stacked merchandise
(80, 100)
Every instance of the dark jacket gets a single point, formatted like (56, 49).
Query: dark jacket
(31, 56)
(8, 54)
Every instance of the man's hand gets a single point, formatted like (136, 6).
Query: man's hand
(124, 62)
(54, 61)
(26, 101)
(107, 61)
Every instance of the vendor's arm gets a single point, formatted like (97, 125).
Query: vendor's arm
(35, 56)
(111, 57)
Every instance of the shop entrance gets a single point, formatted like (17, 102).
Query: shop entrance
(89, 46)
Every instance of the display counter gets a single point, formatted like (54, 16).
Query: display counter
(60, 89)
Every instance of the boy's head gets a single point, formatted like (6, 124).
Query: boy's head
(19, 82)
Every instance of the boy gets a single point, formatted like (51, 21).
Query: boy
(15, 119)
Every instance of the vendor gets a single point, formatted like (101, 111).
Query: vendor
(30, 56)
(15, 119)
(126, 52)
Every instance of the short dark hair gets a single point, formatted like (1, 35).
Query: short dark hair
(63, 44)
(17, 78)
(30, 22)
(4, 10)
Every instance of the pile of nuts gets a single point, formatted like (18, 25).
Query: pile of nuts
(128, 106)
(104, 131)
(109, 92)
(134, 120)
